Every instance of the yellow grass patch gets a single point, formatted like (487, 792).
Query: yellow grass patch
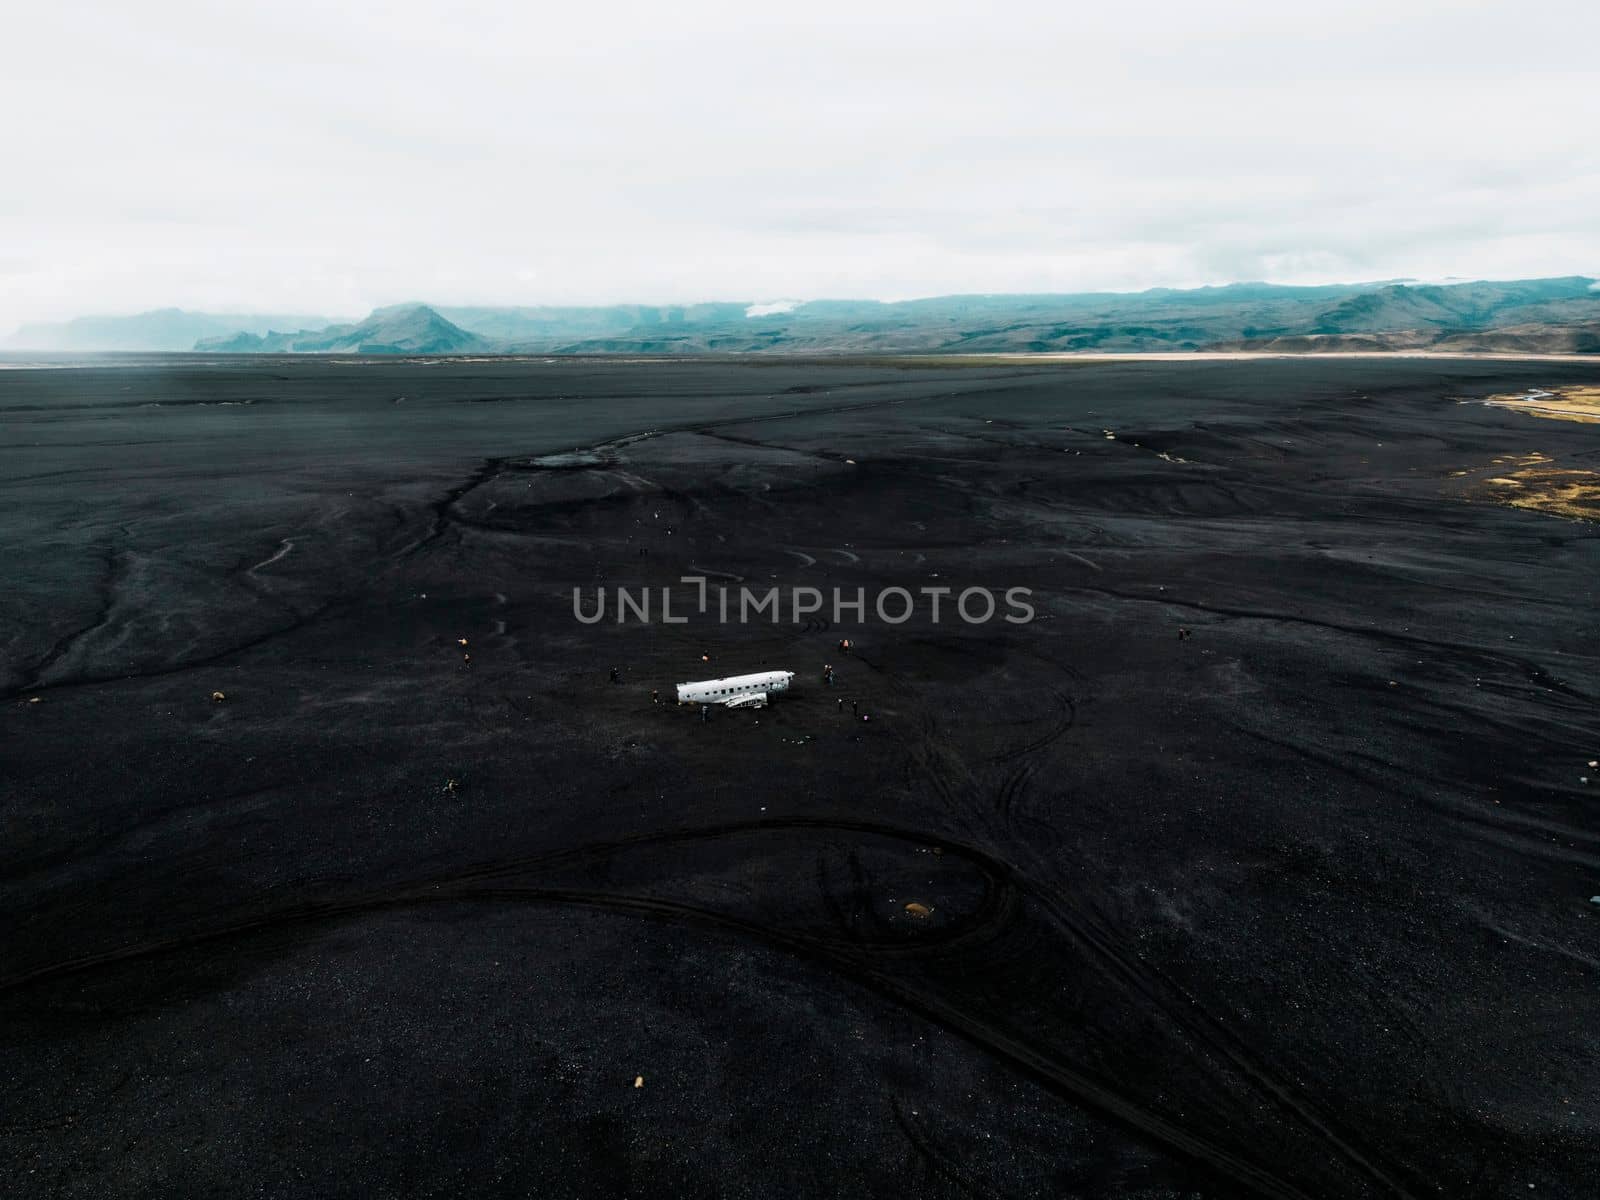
(1561, 491)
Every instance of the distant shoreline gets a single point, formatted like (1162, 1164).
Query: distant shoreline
(20, 360)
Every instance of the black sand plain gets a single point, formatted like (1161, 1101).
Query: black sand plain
(1296, 906)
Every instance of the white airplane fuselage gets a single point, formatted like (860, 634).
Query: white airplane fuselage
(736, 691)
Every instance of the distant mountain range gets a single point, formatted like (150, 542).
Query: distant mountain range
(1528, 316)
(163, 329)
(402, 329)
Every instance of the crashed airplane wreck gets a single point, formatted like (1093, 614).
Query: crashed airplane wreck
(736, 691)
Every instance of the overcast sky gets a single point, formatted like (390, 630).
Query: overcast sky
(327, 157)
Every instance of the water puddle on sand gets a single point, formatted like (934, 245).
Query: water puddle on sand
(1563, 404)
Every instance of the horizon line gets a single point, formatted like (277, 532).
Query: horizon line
(793, 301)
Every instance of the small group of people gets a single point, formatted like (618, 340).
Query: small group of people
(855, 709)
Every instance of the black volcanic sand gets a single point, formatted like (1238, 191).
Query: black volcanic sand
(1296, 906)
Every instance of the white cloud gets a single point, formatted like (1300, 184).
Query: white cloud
(309, 155)
(772, 309)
